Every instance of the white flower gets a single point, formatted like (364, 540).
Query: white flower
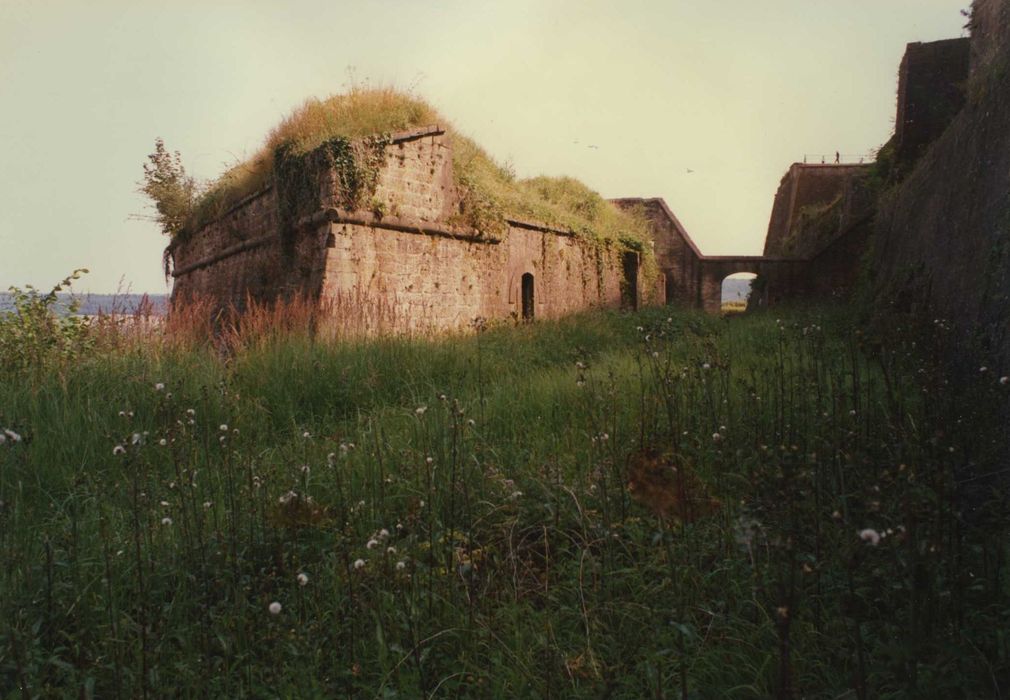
(716, 437)
(223, 427)
(3, 438)
(303, 579)
(118, 450)
(706, 366)
(1004, 380)
(390, 550)
(207, 504)
(983, 370)
(359, 564)
(401, 565)
(14, 437)
(190, 412)
(305, 469)
(166, 521)
(274, 608)
(420, 410)
(159, 387)
(869, 535)
(136, 439)
(306, 435)
(162, 442)
(372, 544)
(383, 533)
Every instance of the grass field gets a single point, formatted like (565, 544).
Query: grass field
(657, 505)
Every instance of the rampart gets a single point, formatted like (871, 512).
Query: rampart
(930, 92)
(402, 263)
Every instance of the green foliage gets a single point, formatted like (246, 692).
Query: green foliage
(36, 336)
(170, 188)
(500, 491)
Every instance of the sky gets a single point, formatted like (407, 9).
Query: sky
(702, 103)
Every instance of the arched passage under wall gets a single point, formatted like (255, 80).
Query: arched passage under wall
(736, 291)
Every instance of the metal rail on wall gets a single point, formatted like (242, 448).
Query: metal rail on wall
(837, 159)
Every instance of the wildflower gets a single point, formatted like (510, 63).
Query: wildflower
(442, 397)
(136, 439)
(870, 535)
(428, 460)
(706, 366)
(401, 565)
(286, 498)
(716, 437)
(207, 504)
(190, 412)
(383, 533)
(305, 469)
(223, 428)
(274, 608)
(983, 370)
(11, 435)
(372, 544)
(159, 387)
(1004, 380)
(420, 410)
(162, 442)
(306, 435)
(390, 550)
(118, 450)
(471, 422)
(303, 579)
(359, 564)
(166, 521)
(164, 504)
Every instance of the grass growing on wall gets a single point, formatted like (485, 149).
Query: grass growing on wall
(622, 505)
(490, 193)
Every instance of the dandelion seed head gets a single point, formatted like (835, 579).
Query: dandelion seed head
(870, 536)
(303, 579)
(372, 544)
(118, 450)
(162, 442)
(166, 521)
(401, 565)
(1004, 380)
(159, 386)
(359, 564)
(274, 608)
(420, 410)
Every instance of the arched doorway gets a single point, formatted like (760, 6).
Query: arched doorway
(736, 291)
(527, 294)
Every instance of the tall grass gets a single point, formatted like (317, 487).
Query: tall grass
(647, 505)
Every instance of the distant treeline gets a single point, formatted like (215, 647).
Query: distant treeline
(94, 304)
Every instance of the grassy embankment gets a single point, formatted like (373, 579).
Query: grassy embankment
(645, 505)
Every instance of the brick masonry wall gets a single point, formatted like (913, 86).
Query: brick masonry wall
(990, 28)
(389, 272)
(801, 187)
(436, 282)
(930, 92)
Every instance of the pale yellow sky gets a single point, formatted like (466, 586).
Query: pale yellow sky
(733, 90)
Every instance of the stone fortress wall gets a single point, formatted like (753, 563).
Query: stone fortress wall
(406, 258)
(403, 258)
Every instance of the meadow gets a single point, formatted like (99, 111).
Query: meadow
(651, 505)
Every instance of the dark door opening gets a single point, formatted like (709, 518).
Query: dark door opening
(630, 265)
(528, 297)
(671, 292)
